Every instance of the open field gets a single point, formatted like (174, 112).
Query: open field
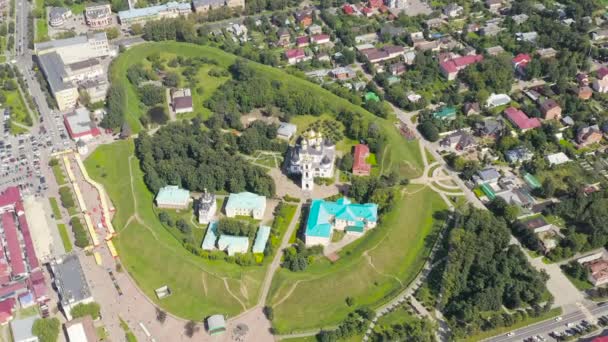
(401, 155)
(371, 270)
(19, 112)
(155, 258)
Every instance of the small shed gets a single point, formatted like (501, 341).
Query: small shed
(216, 324)
(286, 130)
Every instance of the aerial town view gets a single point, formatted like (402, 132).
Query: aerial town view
(265, 170)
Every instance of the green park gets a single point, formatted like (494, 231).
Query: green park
(371, 271)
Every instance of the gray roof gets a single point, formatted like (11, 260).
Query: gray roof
(70, 281)
(216, 322)
(213, 3)
(58, 12)
(53, 44)
(22, 328)
(54, 70)
(488, 174)
(287, 129)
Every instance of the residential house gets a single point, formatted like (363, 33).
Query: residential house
(588, 135)
(528, 37)
(521, 61)
(518, 197)
(302, 41)
(445, 113)
(520, 18)
(584, 93)
(304, 17)
(286, 130)
(597, 271)
(471, 108)
(451, 67)
(397, 69)
(568, 121)
(314, 29)
(324, 217)
(385, 53)
(453, 10)
(496, 100)
(494, 5)
(490, 29)
(546, 53)
(434, 23)
(518, 155)
(246, 204)
(599, 35)
(181, 101)
(600, 84)
(490, 128)
(343, 73)
(537, 224)
(349, 9)
(551, 110)
(521, 120)
(295, 56)
(284, 37)
(557, 158)
(487, 176)
(459, 141)
(172, 197)
(375, 3)
(320, 39)
(360, 165)
(582, 79)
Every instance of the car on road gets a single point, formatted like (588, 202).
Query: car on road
(558, 318)
(510, 334)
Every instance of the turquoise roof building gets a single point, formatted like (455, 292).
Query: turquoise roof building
(446, 113)
(233, 244)
(172, 197)
(260, 239)
(246, 204)
(325, 216)
(210, 237)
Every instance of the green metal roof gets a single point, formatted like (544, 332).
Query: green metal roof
(488, 191)
(210, 236)
(172, 195)
(233, 244)
(532, 181)
(246, 200)
(260, 239)
(322, 213)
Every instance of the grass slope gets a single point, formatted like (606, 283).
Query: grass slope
(371, 270)
(401, 155)
(155, 258)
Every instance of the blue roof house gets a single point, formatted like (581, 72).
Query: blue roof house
(246, 204)
(260, 239)
(233, 244)
(172, 197)
(324, 217)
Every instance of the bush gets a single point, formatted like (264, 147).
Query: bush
(67, 200)
(81, 236)
(429, 131)
(90, 309)
(228, 226)
(46, 329)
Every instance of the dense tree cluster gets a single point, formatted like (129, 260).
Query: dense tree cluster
(260, 136)
(178, 29)
(116, 104)
(377, 190)
(81, 237)
(182, 154)
(492, 75)
(46, 329)
(298, 257)
(137, 73)
(230, 226)
(414, 329)
(484, 273)
(251, 89)
(354, 324)
(89, 309)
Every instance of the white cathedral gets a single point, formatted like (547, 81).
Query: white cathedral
(313, 156)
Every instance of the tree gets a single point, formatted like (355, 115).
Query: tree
(269, 312)
(346, 163)
(171, 80)
(46, 329)
(151, 95)
(191, 328)
(548, 188)
(117, 103)
(429, 131)
(161, 315)
(112, 33)
(350, 301)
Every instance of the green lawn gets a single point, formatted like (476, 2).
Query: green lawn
(65, 238)
(155, 258)
(16, 130)
(55, 207)
(42, 26)
(19, 112)
(582, 285)
(401, 155)
(397, 249)
(59, 175)
(531, 320)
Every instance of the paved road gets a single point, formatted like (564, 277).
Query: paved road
(548, 326)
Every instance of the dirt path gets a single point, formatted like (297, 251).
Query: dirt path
(288, 294)
(233, 295)
(371, 263)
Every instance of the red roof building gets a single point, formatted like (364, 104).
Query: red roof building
(294, 56)
(302, 41)
(7, 308)
(13, 245)
(520, 119)
(451, 67)
(375, 3)
(320, 39)
(602, 73)
(80, 126)
(368, 12)
(360, 165)
(521, 61)
(348, 9)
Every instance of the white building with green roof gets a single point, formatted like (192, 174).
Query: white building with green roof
(246, 204)
(172, 197)
(325, 216)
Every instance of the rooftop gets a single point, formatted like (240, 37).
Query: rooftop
(260, 239)
(134, 13)
(79, 123)
(245, 200)
(322, 214)
(520, 119)
(69, 279)
(81, 39)
(22, 328)
(172, 195)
